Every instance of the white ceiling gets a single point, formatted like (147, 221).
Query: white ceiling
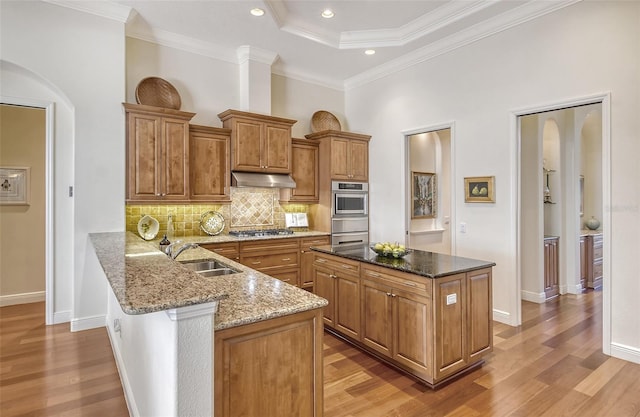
(325, 51)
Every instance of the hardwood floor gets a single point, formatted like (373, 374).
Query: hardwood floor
(549, 366)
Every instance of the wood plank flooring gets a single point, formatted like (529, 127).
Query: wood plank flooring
(552, 365)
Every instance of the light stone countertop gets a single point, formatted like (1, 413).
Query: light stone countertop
(145, 280)
(224, 238)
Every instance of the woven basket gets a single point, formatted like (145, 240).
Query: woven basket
(323, 120)
(154, 91)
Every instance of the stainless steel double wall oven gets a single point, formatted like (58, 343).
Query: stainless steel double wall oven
(349, 213)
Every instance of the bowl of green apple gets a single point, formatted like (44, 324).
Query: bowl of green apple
(390, 250)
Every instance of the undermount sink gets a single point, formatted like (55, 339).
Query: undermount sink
(209, 268)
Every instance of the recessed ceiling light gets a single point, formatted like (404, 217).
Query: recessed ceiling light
(370, 52)
(327, 14)
(257, 12)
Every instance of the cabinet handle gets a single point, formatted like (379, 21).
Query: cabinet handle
(320, 260)
(332, 276)
(388, 294)
(256, 263)
(412, 284)
(286, 259)
(393, 295)
(373, 274)
(302, 251)
(346, 266)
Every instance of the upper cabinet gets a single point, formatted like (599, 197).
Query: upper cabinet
(344, 154)
(209, 149)
(304, 170)
(157, 153)
(259, 143)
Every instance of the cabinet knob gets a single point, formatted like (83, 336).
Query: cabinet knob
(388, 294)
(332, 276)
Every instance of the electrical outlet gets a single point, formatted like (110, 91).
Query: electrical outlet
(463, 227)
(452, 299)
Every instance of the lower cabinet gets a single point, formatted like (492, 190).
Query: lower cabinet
(338, 281)
(551, 280)
(306, 259)
(270, 368)
(431, 328)
(593, 259)
(229, 250)
(276, 257)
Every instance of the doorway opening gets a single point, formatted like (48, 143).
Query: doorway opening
(559, 147)
(429, 185)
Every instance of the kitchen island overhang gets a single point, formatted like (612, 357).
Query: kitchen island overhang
(428, 315)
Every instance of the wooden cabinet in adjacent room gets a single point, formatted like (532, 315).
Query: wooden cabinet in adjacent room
(209, 163)
(338, 281)
(551, 280)
(304, 171)
(259, 143)
(157, 153)
(593, 259)
(344, 155)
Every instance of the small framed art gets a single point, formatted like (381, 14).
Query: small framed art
(479, 190)
(424, 203)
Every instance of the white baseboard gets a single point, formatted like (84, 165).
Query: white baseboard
(122, 371)
(87, 323)
(533, 296)
(24, 298)
(502, 317)
(61, 317)
(628, 353)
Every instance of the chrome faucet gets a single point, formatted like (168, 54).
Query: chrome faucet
(173, 253)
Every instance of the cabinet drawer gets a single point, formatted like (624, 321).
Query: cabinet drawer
(227, 249)
(307, 242)
(269, 245)
(339, 264)
(407, 282)
(597, 241)
(597, 252)
(290, 276)
(264, 262)
(597, 270)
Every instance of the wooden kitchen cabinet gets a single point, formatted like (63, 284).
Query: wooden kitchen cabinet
(229, 250)
(270, 368)
(209, 169)
(278, 258)
(395, 319)
(593, 259)
(338, 281)
(259, 143)
(157, 153)
(551, 280)
(307, 258)
(304, 170)
(344, 155)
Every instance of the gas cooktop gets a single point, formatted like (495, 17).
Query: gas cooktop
(263, 232)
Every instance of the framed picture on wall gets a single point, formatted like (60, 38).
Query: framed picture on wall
(479, 190)
(14, 185)
(424, 203)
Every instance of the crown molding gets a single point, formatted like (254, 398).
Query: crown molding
(504, 21)
(251, 53)
(303, 76)
(184, 43)
(106, 9)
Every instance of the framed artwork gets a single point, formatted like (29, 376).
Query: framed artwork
(479, 190)
(424, 203)
(14, 186)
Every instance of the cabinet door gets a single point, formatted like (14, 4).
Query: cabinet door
(347, 304)
(480, 313)
(377, 317)
(583, 262)
(412, 336)
(324, 286)
(304, 170)
(247, 146)
(290, 276)
(209, 165)
(175, 159)
(359, 160)
(144, 156)
(551, 285)
(277, 149)
(450, 321)
(340, 159)
(307, 257)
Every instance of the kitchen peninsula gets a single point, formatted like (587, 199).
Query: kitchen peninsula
(428, 314)
(169, 325)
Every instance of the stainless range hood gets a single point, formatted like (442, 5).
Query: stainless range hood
(254, 179)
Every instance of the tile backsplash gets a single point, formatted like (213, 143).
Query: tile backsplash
(250, 208)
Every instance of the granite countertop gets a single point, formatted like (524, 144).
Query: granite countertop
(426, 264)
(145, 280)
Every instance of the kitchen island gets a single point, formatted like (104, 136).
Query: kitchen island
(182, 339)
(427, 314)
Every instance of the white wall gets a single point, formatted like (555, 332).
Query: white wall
(79, 58)
(585, 49)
